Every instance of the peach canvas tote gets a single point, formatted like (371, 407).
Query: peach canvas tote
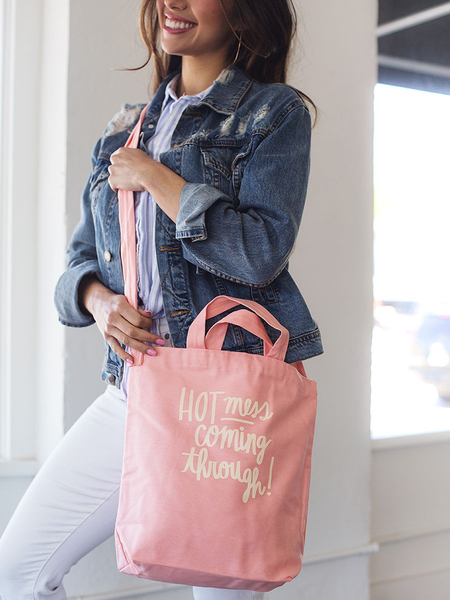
(217, 456)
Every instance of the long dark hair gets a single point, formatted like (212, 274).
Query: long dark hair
(263, 34)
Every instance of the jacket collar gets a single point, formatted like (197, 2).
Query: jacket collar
(228, 90)
(224, 96)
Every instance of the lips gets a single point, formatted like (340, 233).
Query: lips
(175, 25)
(176, 18)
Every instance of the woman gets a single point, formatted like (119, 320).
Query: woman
(220, 180)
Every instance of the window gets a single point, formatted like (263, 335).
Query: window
(411, 336)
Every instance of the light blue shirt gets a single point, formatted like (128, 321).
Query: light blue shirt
(148, 283)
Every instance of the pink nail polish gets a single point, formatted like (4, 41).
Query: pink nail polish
(160, 342)
(151, 352)
(129, 361)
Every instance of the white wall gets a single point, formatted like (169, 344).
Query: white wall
(332, 264)
(411, 518)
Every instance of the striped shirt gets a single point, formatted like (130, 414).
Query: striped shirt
(148, 283)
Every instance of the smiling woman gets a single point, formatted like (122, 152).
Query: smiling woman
(219, 181)
(261, 40)
(201, 34)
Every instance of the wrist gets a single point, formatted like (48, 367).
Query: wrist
(148, 177)
(89, 289)
(164, 186)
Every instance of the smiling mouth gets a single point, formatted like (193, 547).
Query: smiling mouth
(174, 24)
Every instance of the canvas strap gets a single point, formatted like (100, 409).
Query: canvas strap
(128, 234)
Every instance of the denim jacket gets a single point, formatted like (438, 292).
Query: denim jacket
(244, 151)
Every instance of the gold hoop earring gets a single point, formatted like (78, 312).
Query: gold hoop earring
(239, 47)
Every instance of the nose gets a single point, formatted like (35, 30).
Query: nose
(176, 4)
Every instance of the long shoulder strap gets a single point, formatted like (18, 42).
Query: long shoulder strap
(128, 234)
(128, 226)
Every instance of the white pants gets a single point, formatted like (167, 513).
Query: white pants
(71, 506)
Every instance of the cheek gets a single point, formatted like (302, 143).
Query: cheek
(159, 9)
(212, 14)
(219, 29)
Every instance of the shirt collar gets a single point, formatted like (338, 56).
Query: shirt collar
(170, 92)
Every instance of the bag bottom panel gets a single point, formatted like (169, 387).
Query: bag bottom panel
(196, 578)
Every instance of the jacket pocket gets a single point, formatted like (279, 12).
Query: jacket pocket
(238, 165)
(223, 166)
(216, 171)
(265, 295)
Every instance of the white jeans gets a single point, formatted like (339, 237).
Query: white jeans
(71, 505)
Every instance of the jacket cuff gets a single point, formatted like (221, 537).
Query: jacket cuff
(66, 295)
(195, 199)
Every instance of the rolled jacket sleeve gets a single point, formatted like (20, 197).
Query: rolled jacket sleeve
(250, 241)
(195, 200)
(82, 261)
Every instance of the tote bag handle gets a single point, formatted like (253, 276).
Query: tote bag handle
(244, 318)
(196, 334)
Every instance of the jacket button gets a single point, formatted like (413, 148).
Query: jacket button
(111, 378)
(107, 256)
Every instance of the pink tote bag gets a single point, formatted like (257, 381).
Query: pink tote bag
(217, 457)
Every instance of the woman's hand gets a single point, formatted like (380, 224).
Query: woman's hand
(129, 169)
(132, 169)
(117, 321)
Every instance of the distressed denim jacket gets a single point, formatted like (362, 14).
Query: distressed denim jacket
(244, 151)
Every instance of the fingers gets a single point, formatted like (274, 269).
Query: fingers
(128, 166)
(117, 338)
(128, 331)
(123, 354)
(110, 181)
(121, 309)
(122, 325)
(128, 327)
(113, 173)
(117, 348)
(132, 339)
(145, 313)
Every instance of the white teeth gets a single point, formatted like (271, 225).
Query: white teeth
(178, 24)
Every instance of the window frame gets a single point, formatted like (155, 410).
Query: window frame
(20, 70)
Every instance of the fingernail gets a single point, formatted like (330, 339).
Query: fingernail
(160, 342)
(129, 361)
(151, 352)
(149, 312)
